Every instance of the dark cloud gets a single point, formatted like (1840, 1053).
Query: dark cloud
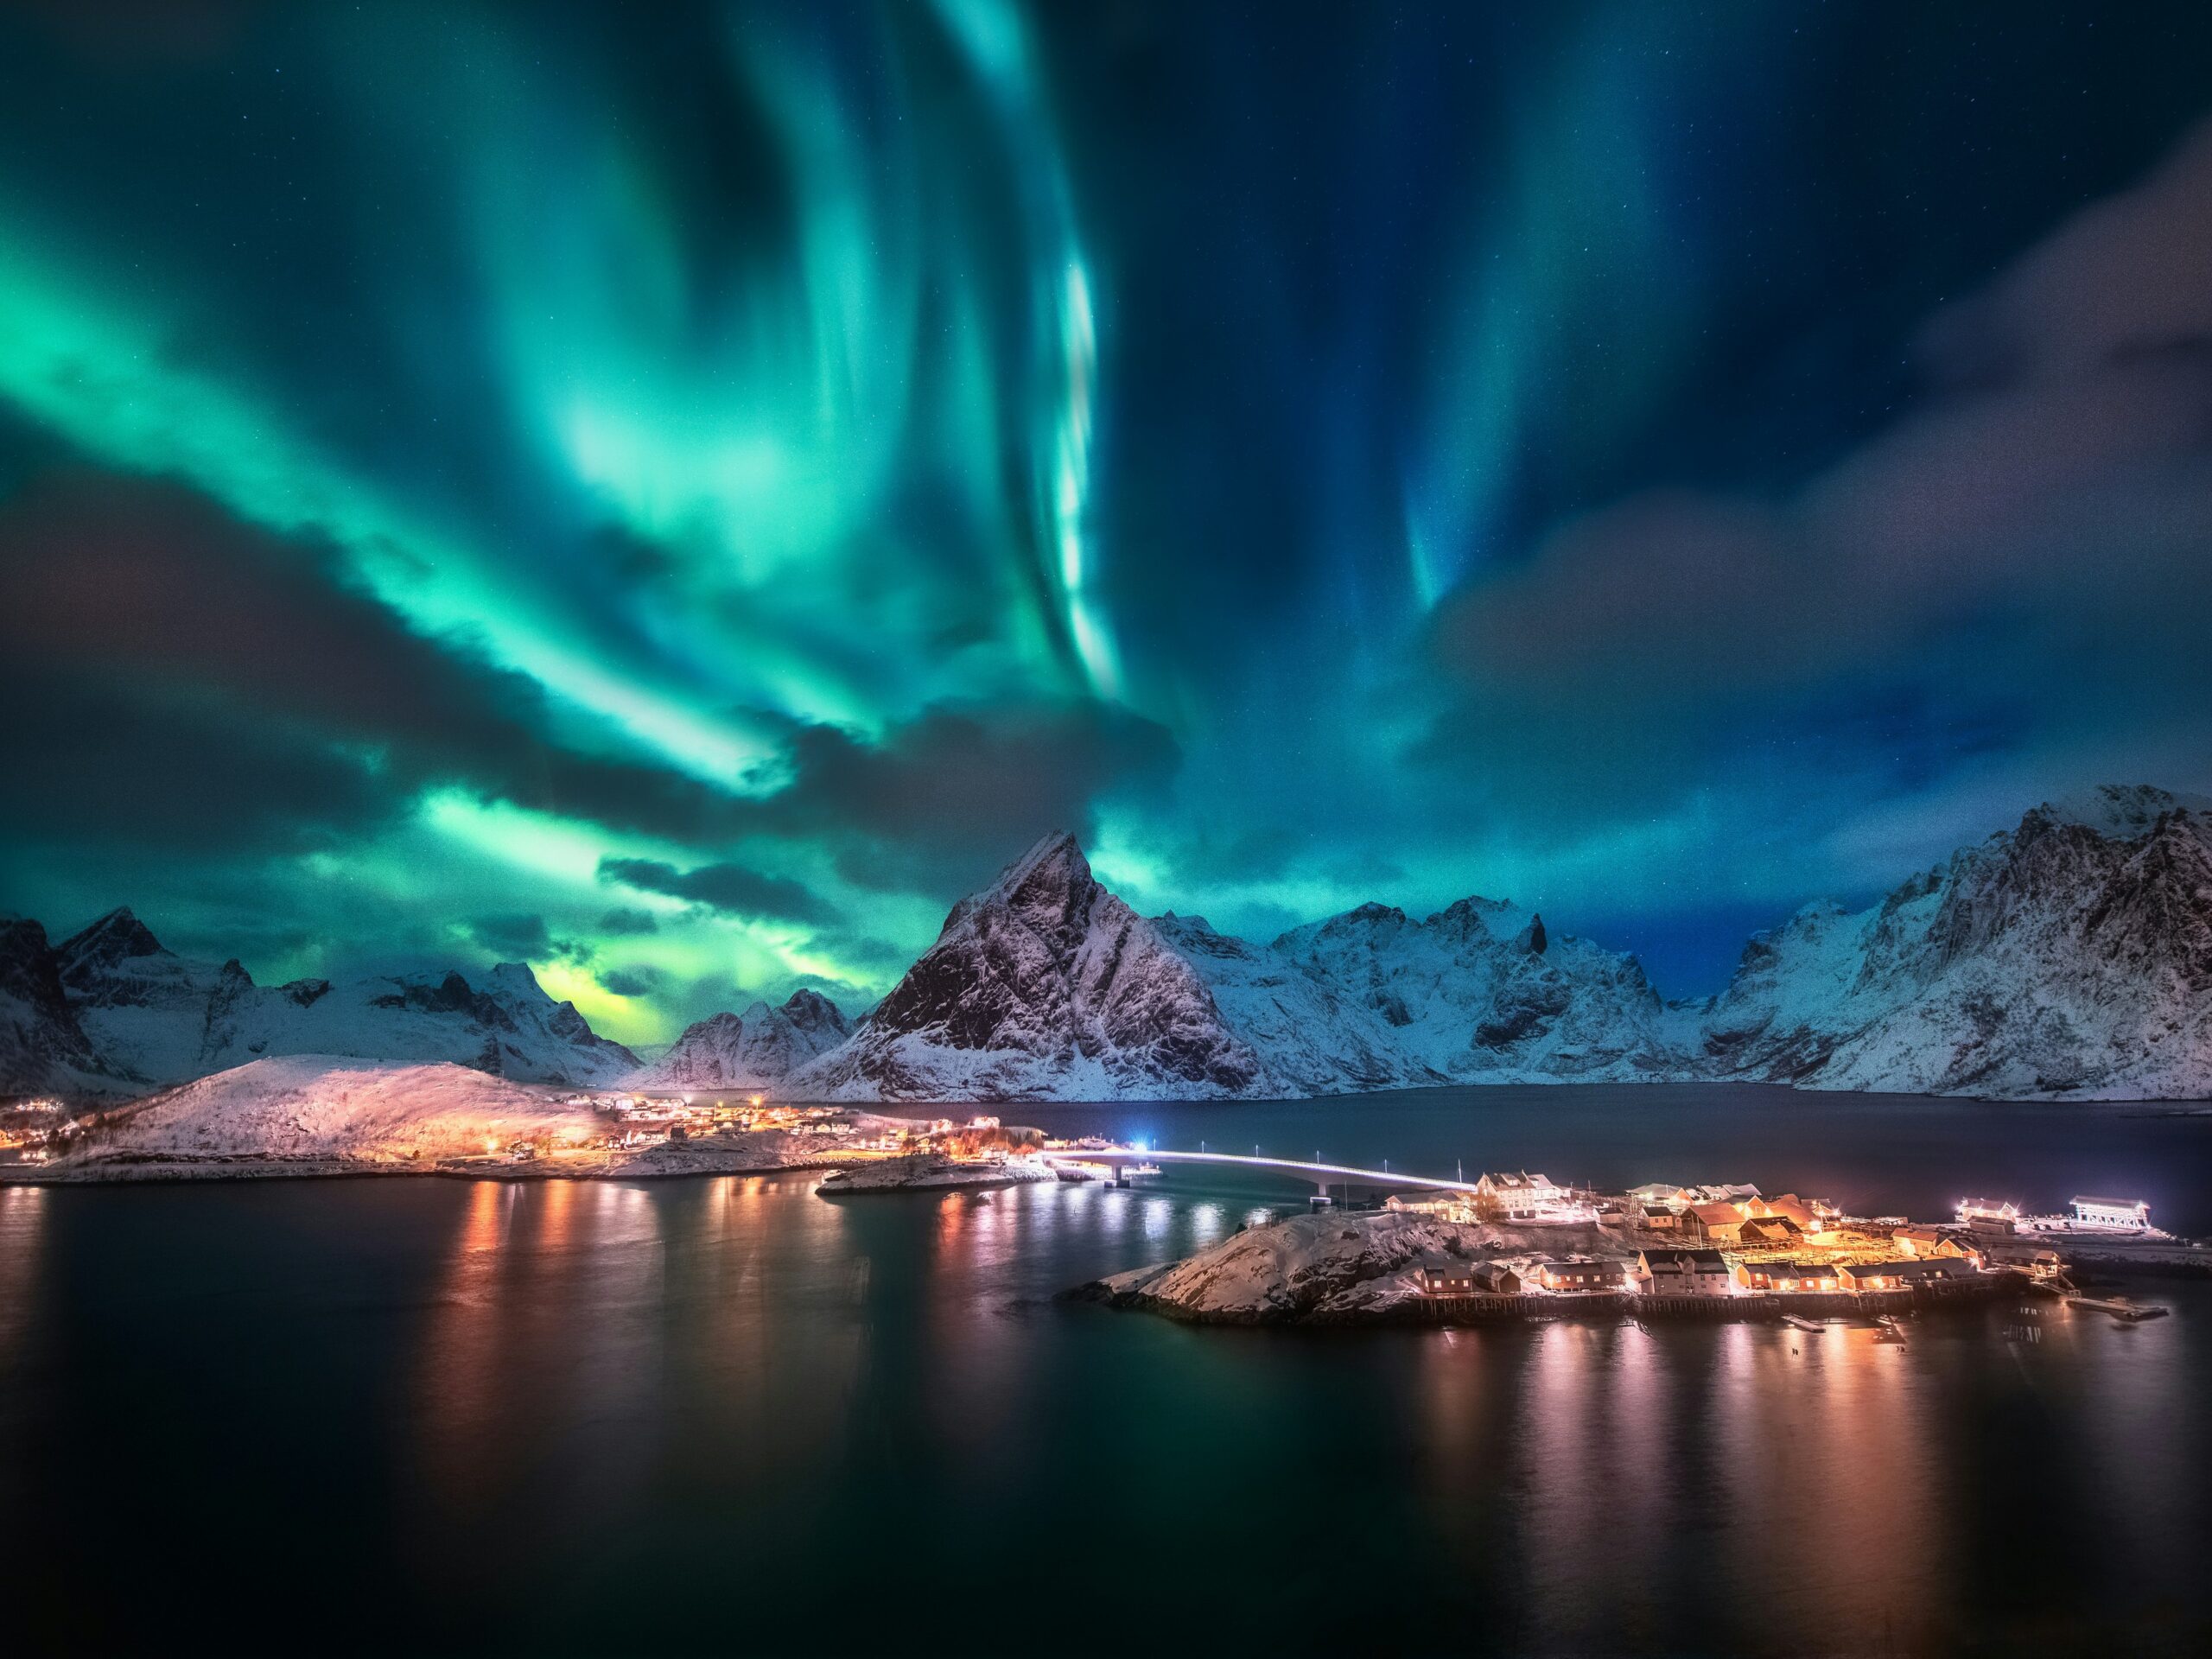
(628, 922)
(93, 757)
(2023, 555)
(726, 887)
(945, 798)
(522, 937)
(152, 583)
(633, 982)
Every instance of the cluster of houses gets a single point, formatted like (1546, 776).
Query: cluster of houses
(644, 1119)
(29, 1128)
(1733, 1240)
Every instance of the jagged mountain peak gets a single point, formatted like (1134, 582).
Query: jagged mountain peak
(1475, 921)
(756, 1049)
(2120, 811)
(120, 936)
(1043, 983)
(515, 979)
(809, 1010)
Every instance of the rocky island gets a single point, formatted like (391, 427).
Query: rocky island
(1431, 1264)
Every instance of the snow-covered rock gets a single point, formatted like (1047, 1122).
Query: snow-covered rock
(1330, 1266)
(328, 1107)
(149, 1017)
(754, 1050)
(2070, 957)
(1043, 986)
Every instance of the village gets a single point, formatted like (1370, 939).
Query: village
(1731, 1240)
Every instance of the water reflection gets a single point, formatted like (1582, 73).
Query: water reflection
(22, 1240)
(22, 1264)
(541, 1329)
(1830, 1437)
(614, 1414)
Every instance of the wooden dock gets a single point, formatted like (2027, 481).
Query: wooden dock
(2119, 1306)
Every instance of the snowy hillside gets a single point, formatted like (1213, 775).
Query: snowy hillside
(150, 1017)
(754, 1050)
(1317, 1038)
(324, 1107)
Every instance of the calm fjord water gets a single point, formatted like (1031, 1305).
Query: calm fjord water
(728, 1415)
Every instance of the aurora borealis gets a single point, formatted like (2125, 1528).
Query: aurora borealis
(679, 494)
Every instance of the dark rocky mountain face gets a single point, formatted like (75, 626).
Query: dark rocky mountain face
(1043, 984)
(116, 962)
(41, 1042)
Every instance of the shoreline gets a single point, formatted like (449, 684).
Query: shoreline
(1765, 1307)
(174, 1173)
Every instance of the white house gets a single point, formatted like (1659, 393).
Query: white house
(1682, 1273)
(1522, 1196)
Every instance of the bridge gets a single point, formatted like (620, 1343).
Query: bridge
(1321, 1174)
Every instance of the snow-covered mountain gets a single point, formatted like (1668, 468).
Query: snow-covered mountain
(147, 1017)
(2069, 956)
(1317, 1038)
(1482, 992)
(1046, 985)
(754, 1050)
(1043, 986)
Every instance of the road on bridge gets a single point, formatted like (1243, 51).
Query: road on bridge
(1320, 1172)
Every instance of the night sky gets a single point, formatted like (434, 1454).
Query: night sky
(678, 494)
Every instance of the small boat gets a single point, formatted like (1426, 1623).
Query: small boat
(1888, 1329)
(1798, 1322)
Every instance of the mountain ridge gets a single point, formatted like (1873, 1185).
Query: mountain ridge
(2068, 956)
(110, 1010)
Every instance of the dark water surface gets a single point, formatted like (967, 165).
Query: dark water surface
(726, 1415)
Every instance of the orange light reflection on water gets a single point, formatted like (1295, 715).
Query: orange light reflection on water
(22, 1241)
